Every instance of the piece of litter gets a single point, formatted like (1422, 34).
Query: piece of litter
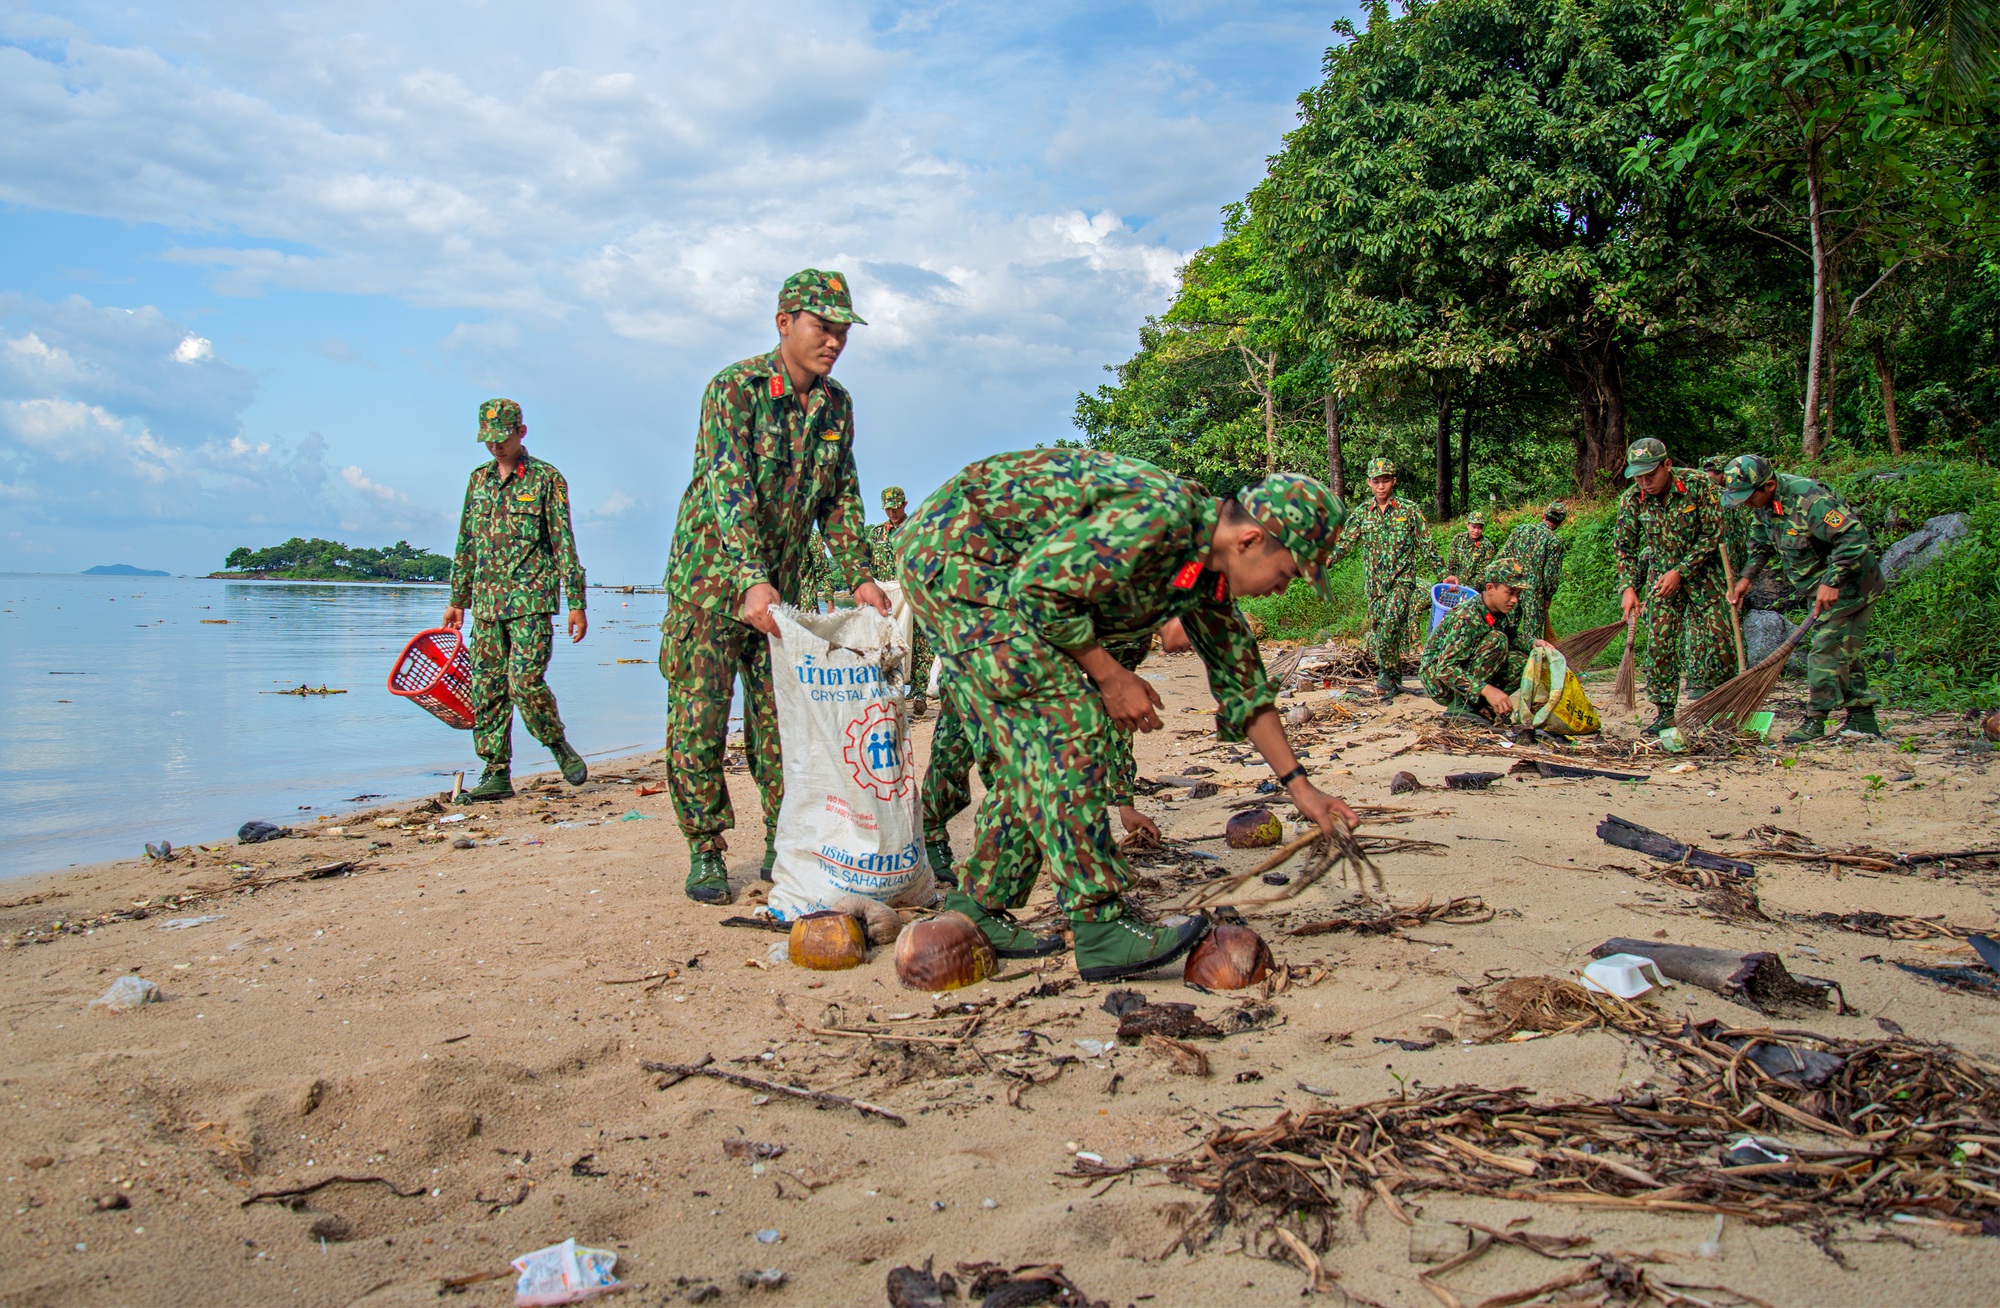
(768, 1237)
(632, 815)
(563, 1273)
(451, 817)
(183, 923)
(127, 992)
(1095, 1048)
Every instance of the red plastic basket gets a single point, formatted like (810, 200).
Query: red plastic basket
(435, 670)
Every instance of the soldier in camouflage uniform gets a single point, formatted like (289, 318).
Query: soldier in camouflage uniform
(1394, 539)
(1667, 530)
(817, 585)
(1025, 567)
(1737, 519)
(1819, 543)
(773, 457)
(515, 551)
(881, 547)
(1537, 545)
(1470, 551)
(1478, 651)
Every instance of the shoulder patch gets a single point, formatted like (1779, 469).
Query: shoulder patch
(1834, 519)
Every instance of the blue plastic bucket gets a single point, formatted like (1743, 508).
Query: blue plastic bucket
(1445, 597)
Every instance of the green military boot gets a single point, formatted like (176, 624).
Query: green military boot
(938, 853)
(1008, 940)
(708, 880)
(1813, 727)
(1125, 946)
(1663, 717)
(1862, 721)
(573, 768)
(1388, 689)
(495, 784)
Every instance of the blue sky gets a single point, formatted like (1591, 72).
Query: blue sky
(258, 264)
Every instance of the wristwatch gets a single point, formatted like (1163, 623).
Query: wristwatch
(1296, 774)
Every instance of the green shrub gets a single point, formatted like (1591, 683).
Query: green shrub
(1941, 626)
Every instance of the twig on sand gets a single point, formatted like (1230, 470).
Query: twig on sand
(823, 1098)
(300, 1191)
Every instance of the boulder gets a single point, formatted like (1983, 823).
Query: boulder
(1766, 629)
(1923, 547)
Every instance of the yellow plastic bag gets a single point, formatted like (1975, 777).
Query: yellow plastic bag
(1551, 697)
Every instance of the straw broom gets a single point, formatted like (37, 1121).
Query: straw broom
(1738, 697)
(1625, 688)
(1581, 649)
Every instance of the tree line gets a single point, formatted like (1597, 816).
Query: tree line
(330, 560)
(1508, 237)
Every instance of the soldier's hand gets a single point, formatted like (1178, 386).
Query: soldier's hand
(1501, 701)
(1547, 645)
(1738, 591)
(1825, 598)
(1322, 808)
(1134, 821)
(1668, 584)
(873, 596)
(1452, 582)
(1131, 699)
(578, 624)
(1630, 603)
(454, 618)
(1174, 638)
(756, 611)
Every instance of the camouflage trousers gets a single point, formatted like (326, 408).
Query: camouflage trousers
(1393, 613)
(1834, 676)
(1534, 610)
(947, 786)
(1045, 745)
(702, 655)
(920, 664)
(1687, 635)
(509, 658)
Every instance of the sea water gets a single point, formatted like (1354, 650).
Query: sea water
(138, 709)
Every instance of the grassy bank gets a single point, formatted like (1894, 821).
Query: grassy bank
(1934, 640)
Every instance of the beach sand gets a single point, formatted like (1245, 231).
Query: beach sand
(465, 1028)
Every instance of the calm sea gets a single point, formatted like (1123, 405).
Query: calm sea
(127, 718)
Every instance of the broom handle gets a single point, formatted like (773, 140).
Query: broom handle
(1735, 622)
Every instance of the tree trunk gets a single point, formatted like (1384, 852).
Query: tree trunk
(1465, 450)
(1336, 474)
(1270, 389)
(1441, 389)
(1596, 380)
(1888, 396)
(1813, 438)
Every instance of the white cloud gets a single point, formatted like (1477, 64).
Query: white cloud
(354, 477)
(194, 349)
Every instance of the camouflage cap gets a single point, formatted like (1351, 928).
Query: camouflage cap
(1303, 516)
(1745, 473)
(1556, 511)
(498, 419)
(1641, 457)
(1381, 468)
(893, 497)
(1475, 520)
(1715, 463)
(1506, 571)
(823, 293)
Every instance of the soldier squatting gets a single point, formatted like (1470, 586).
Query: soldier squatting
(1039, 581)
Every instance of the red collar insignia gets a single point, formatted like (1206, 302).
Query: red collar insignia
(1778, 508)
(1489, 618)
(777, 385)
(1187, 576)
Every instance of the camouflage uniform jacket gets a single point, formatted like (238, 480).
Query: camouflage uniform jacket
(1817, 540)
(1467, 558)
(1737, 526)
(1083, 548)
(1393, 540)
(1470, 648)
(1542, 550)
(769, 463)
(816, 577)
(882, 549)
(515, 547)
(1673, 531)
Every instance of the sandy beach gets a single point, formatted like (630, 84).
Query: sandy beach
(459, 1033)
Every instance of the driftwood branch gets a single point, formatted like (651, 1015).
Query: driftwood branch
(821, 1098)
(1617, 831)
(300, 1191)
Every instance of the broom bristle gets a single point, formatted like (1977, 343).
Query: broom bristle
(1738, 697)
(1625, 688)
(1581, 649)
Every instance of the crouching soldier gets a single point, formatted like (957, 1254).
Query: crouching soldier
(1479, 650)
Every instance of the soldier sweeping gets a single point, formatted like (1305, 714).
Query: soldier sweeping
(1666, 535)
(1470, 551)
(1820, 545)
(515, 553)
(882, 554)
(1479, 650)
(1394, 539)
(1537, 545)
(774, 456)
(1025, 567)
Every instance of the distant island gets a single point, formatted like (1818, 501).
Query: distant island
(123, 570)
(330, 560)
